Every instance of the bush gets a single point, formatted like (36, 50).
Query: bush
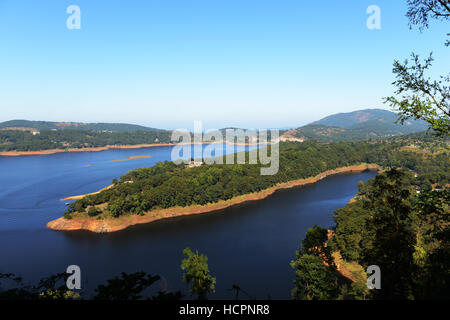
(93, 211)
(67, 215)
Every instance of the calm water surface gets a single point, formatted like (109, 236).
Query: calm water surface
(250, 245)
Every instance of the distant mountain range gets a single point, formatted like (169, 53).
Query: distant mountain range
(47, 125)
(356, 125)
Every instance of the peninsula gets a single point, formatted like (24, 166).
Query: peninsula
(111, 224)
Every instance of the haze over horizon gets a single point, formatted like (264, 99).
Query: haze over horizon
(230, 64)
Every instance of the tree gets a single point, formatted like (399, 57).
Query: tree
(125, 287)
(314, 280)
(424, 99)
(50, 288)
(351, 234)
(420, 12)
(434, 218)
(314, 268)
(315, 243)
(420, 97)
(93, 211)
(392, 216)
(196, 271)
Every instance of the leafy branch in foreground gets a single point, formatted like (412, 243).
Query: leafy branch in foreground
(421, 11)
(421, 97)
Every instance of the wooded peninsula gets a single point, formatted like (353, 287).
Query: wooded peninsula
(167, 190)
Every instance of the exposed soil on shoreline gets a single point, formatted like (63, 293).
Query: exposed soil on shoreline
(52, 151)
(108, 147)
(81, 196)
(116, 224)
(132, 158)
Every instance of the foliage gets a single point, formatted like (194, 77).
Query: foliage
(196, 271)
(421, 11)
(50, 288)
(93, 211)
(47, 125)
(168, 185)
(422, 98)
(314, 268)
(357, 125)
(315, 242)
(351, 235)
(125, 287)
(392, 218)
(404, 232)
(15, 140)
(314, 280)
(434, 240)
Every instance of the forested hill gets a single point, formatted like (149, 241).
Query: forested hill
(47, 125)
(357, 125)
(24, 135)
(357, 119)
(22, 140)
(167, 185)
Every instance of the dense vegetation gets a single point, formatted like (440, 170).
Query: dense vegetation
(364, 131)
(11, 140)
(47, 125)
(397, 222)
(167, 185)
(357, 125)
(380, 117)
(196, 272)
(127, 286)
(392, 226)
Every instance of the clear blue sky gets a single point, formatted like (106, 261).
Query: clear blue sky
(166, 63)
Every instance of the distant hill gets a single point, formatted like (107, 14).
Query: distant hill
(357, 125)
(47, 125)
(349, 119)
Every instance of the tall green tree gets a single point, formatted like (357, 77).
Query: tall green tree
(315, 242)
(392, 216)
(314, 280)
(197, 273)
(314, 268)
(434, 244)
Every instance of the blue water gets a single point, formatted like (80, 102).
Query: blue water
(250, 245)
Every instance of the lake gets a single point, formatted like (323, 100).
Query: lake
(250, 245)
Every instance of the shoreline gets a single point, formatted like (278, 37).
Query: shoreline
(116, 224)
(131, 158)
(96, 149)
(81, 196)
(107, 147)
